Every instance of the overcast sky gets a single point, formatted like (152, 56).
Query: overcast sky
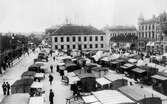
(36, 15)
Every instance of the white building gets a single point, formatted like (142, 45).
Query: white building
(121, 31)
(150, 34)
(76, 37)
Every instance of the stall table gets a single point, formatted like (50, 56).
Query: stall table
(36, 100)
(112, 97)
(102, 82)
(39, 76)
(37, 85)
(89, 99)
(72, 80)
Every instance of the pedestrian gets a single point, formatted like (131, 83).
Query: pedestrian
(4, 88)
(50, 79)
(54, 58)
(8, 88)
(51, 96)
(4, 65)
(62, 73)
(51, 68)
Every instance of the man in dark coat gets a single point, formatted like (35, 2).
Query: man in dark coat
(51, 68)
(8, 88)
(4, 88)
(62, 73)
(50, 79)
(51, 96)
(54, 58)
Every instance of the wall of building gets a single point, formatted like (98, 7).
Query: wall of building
(84, 42)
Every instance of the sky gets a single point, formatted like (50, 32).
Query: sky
(37, 15)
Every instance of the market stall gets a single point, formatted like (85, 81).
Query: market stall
(87, 82)
(72, 78)
(36, 89)
(35, 68)
(105, 61)
(103, 83)
(21, 86)
(28, 74)
(111, 97)
(131, 60)
(139, 74)
(101, 71)
(116, 80)
(160, 82)
(140, 95)
(89, 66)
(114, 65)
(126, 68)
(39, 76)
(71, 67)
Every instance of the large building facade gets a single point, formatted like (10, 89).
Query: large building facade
(76, 37)
(123, 36)
(150, 35)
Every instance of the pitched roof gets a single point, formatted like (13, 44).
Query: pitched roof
(122, 28)
(70, 29)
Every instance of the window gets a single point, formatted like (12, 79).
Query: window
(62, 46)
(142, 34)
(146, 27)
(68, 46)
(62, 39)
(79, 38)
(153, 26)
(67, 39)
(149, 34)
(73, 38)
(85, 39)
(85, 46)
(165, 48)
(145, 34)
(101, 38)
(96, 38)
(152, 34)
(79, 47)
(90, 45)
(139, 34)
(90, 38)
(102, 46)
(55, 39)
(73, 46)
(56, 47)
(149, 27)
(96, 45)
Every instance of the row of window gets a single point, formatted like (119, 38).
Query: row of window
(146, 35)
(115, 34)
(85, 38)
(147, 27)
(80, 46)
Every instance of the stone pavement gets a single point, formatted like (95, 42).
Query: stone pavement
(60, 90)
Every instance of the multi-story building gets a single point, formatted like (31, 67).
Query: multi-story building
(124, 36)
(75, 37)
(150, 34)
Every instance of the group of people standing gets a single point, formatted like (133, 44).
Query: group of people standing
(6, 88)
